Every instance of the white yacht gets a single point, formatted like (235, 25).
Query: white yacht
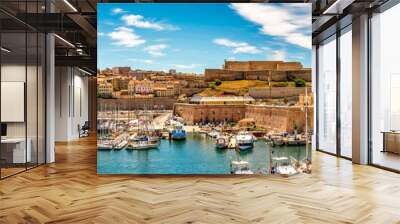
(143, 145)
(245, 141)
(143, 142)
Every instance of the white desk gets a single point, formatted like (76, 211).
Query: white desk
(18, 147)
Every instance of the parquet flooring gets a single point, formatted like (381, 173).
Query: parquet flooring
(70, 191)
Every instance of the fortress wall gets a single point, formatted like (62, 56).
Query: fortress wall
(237, 65)
(197, 113)
(258, 70)
(285, 66)
(273, 118)
(264, 65)
(303, 74)
(278, 76)
(257, 75)
(279, 118)
(222, 74)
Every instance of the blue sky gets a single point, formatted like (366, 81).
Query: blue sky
(191, 37)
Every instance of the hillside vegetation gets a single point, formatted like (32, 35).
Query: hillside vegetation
(240, 87)
(237, 87)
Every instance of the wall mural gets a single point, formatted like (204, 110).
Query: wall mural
(204, 88)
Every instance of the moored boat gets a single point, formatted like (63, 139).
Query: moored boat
(178, 133)
(121, 145)
(145, 142)
(240, 167)
(222, 142)
(143, 145)
(244, 141)
(105, 145)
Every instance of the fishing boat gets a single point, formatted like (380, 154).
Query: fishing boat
(178, 133)
(244, 141)
(222, 142)
(240, 167)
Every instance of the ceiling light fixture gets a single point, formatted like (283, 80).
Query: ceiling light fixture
(5, 50)
(70, 5)
(64, 40)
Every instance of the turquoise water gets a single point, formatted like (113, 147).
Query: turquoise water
(196, 155)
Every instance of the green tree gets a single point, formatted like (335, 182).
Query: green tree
(212, 85)
(217, 82)
(299, 82)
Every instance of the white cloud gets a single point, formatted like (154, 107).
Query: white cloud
(118, 11)
(237, 47)
(292, 22)
(126, 37)
(156, 50)
(100, 34)
(140, 22)
(190, 66)
(277, 55)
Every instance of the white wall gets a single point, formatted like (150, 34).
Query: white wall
(9, 73)
(71, 102)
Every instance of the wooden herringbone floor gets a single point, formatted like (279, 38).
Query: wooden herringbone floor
(70, 191)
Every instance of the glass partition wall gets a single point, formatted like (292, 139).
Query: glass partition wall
(22, 77)
(334, 94)
(385, 89)
(327, 95)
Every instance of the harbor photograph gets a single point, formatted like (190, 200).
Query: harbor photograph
(183, 93)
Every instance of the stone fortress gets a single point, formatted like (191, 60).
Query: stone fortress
(233, 109)
(278, 71)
